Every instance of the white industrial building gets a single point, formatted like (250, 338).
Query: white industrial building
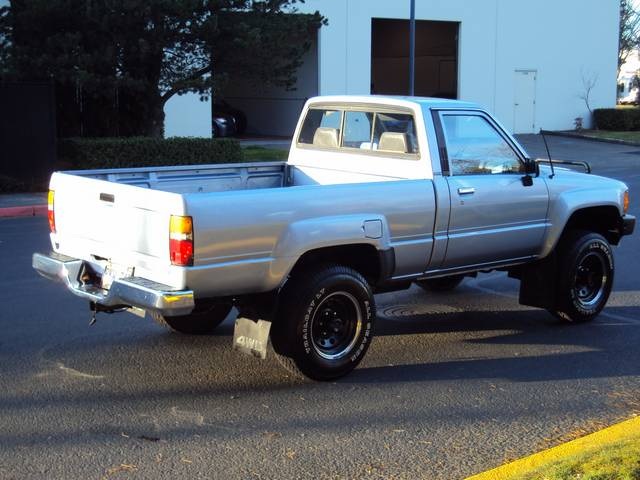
(527, 62)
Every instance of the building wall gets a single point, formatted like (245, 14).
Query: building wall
(273, 110)
(566, 42)
(576, 43)
(563, 41)
(187, 116)
(628, 72)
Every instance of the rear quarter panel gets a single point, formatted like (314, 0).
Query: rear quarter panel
(248, 241)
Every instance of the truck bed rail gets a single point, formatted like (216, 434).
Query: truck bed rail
(196, 178)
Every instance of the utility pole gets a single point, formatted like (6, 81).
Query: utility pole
(412, 48)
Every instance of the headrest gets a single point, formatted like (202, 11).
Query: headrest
(325, 137)
(393, 142)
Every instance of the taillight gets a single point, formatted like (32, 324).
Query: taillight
(181, 241)
(50, 212)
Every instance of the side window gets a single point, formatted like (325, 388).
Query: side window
(394, 132)
(321, 128)
(357, 130)
(475, 147)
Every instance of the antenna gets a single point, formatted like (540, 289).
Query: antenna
(546, 146)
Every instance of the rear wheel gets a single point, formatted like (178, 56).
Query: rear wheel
(325, 324)
(203, 320)
(442, 284)
(585, 277)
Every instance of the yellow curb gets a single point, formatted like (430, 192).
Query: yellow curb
(527, 464)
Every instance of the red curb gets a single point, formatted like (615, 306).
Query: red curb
(24, 211)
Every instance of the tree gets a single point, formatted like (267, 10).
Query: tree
(629, 30)
(126, 58)
(589, 81)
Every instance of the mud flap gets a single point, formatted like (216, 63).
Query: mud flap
(538, 283)
(251, 337)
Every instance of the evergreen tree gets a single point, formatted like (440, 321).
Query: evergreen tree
(115, 63)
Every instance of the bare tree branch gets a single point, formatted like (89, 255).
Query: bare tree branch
(589, 81)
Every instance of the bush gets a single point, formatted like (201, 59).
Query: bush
(11, 185)
(91, 153)
(617, 119)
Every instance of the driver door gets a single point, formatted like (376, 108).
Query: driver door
(494, 218)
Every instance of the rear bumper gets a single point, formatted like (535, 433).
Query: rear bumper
(628, 224)
(124, 292)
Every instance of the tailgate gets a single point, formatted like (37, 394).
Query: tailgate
(123, 226)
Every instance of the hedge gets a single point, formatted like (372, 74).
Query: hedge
(617, 119)
(12, 185)
(90, 153)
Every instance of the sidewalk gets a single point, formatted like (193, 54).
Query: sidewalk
(23, 205)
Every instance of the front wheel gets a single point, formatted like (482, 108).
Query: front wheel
(204, 319)
(585, 277)
(325, 324)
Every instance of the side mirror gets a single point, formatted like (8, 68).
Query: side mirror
(531, 167)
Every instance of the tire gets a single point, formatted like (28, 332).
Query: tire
(442, 284)
(202, 321)
(325, 323)
(585, 277)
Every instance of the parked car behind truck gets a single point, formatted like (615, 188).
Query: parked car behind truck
(377, 193)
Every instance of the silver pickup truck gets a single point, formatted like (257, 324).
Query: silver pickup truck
(377, 193)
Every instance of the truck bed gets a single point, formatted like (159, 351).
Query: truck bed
(119, 218)
(196, 178)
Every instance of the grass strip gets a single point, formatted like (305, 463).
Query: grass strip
(610, 135)
(619, 461)
(255, 153)
(610, 454)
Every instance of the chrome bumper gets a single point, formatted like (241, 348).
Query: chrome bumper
(129, 291)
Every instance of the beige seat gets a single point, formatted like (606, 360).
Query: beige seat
(325, 137)
(393, 142)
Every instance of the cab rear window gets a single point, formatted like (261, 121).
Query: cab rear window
(361, 130)
(319, 121)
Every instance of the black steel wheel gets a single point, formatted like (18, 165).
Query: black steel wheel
(325, 323)
(442, 284)
(204, 319)
(335, 325)
(585, 277)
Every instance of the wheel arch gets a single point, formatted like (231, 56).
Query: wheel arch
(373, 264)
(602, 219)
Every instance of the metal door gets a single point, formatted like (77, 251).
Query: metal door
(524, 104)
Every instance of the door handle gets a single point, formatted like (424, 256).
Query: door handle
(466, 191)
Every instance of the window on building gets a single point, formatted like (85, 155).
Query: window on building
(474, 146)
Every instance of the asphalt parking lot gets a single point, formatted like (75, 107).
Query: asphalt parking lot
(453, 383)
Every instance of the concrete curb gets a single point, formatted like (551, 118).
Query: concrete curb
(24, 211)
(594, 139)
(593, 441)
